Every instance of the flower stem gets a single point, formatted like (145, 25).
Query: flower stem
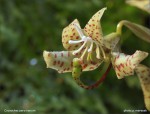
(139, 30)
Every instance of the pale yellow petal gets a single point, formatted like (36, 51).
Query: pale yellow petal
(143, 73)
(60, 61)
(93, 27)
(70, 33)
(124, 65)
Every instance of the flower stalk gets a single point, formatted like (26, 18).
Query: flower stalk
(139, 30)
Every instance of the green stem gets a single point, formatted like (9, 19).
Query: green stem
(139, 30)
(119, 27)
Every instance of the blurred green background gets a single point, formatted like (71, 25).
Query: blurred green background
(27, 27)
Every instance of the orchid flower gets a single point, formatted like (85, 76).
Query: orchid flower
(87, 49)
(88, 45)
(92, 49)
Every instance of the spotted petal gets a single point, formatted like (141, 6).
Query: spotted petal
(60, 61)
(143, 73)
(70, 33)
(63, 61)
(93, 27)
(124, 65)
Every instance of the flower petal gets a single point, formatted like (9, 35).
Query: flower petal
(63, 61)
(60, 61)
(70, 33)
(93, 27)
(111, 40)
(124, 65)
(143, 73)
(90, 65)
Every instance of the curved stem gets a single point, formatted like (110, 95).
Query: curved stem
(77, 72)
(119, 27)
(139, 30)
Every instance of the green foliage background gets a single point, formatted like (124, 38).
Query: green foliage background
(27, 27)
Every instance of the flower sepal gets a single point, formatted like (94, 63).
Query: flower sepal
(124, 65)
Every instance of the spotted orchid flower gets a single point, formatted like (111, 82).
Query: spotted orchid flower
(80, 43)
(88, 45)
(88, 48)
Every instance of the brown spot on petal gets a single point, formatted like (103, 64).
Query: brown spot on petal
(68, 69)
(76, 46)
(49, 54)
(54, 63)
(62, 54)
(84, 66)
(68, 54)
(55, 55)
(118, 67)
(143, 71)
(77, 37)
(69, 47)
(61, 64)
(91, 68)
(118, 74)
(124, 72)
(122, 65)
(71, 64)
